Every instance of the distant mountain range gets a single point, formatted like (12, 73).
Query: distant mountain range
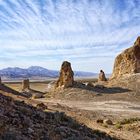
(37, 72)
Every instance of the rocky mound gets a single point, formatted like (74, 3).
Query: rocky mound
(66, 78)
(102, 76)
(20, 121)
(128, 62)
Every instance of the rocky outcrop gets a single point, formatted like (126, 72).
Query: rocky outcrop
(102, 76)
(29, 92)
(66, 78)
(25, 85)
(128, 62)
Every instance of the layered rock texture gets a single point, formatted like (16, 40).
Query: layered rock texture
(66, 78)
(128, 62)
(102, 76)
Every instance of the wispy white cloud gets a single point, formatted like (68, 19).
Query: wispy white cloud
(89, 33)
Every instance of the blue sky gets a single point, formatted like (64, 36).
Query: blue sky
(88, 33)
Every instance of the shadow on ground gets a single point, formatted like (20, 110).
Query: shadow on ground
(10, 90)
(26, 94)
(32, 93)
(101, 88)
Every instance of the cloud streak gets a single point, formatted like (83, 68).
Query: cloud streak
(85, 31)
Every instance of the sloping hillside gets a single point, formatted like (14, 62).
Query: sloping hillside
(20, 121)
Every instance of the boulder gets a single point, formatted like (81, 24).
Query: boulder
(102, 76)
(66, 78)
(108, 121)
(36, 95)
(99, 120)
(89, 84)
(128, 62)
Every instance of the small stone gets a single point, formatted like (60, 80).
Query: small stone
(108, 121)
(37, 95)
(41, 106)
(99, 121)
(90, 84)
(30, 130)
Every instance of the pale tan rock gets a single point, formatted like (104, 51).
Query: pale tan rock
(90, 84)
(36, 96)
(107, 121)
(102, 76)
(66, 78)
(25, 84)
(128, 62)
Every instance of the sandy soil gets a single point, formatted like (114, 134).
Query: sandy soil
(88, 112)
(110, 106)
(86, 106)
(36, 86)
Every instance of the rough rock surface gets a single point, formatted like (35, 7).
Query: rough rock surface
(108, 121)
(25, 85)
(29, 92)
(102, 76)
(128, 62)
(20, 121)
(66, 78)
(128, 81)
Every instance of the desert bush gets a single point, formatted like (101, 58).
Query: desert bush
(118, 126)
(128, 121)
(105, 125)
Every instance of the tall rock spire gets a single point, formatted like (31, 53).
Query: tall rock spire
(66, 78)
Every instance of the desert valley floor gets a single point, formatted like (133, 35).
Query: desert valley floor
(92, 106)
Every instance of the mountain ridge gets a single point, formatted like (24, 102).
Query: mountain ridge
(37, 71)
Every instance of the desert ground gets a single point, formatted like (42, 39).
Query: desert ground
(93, 106)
